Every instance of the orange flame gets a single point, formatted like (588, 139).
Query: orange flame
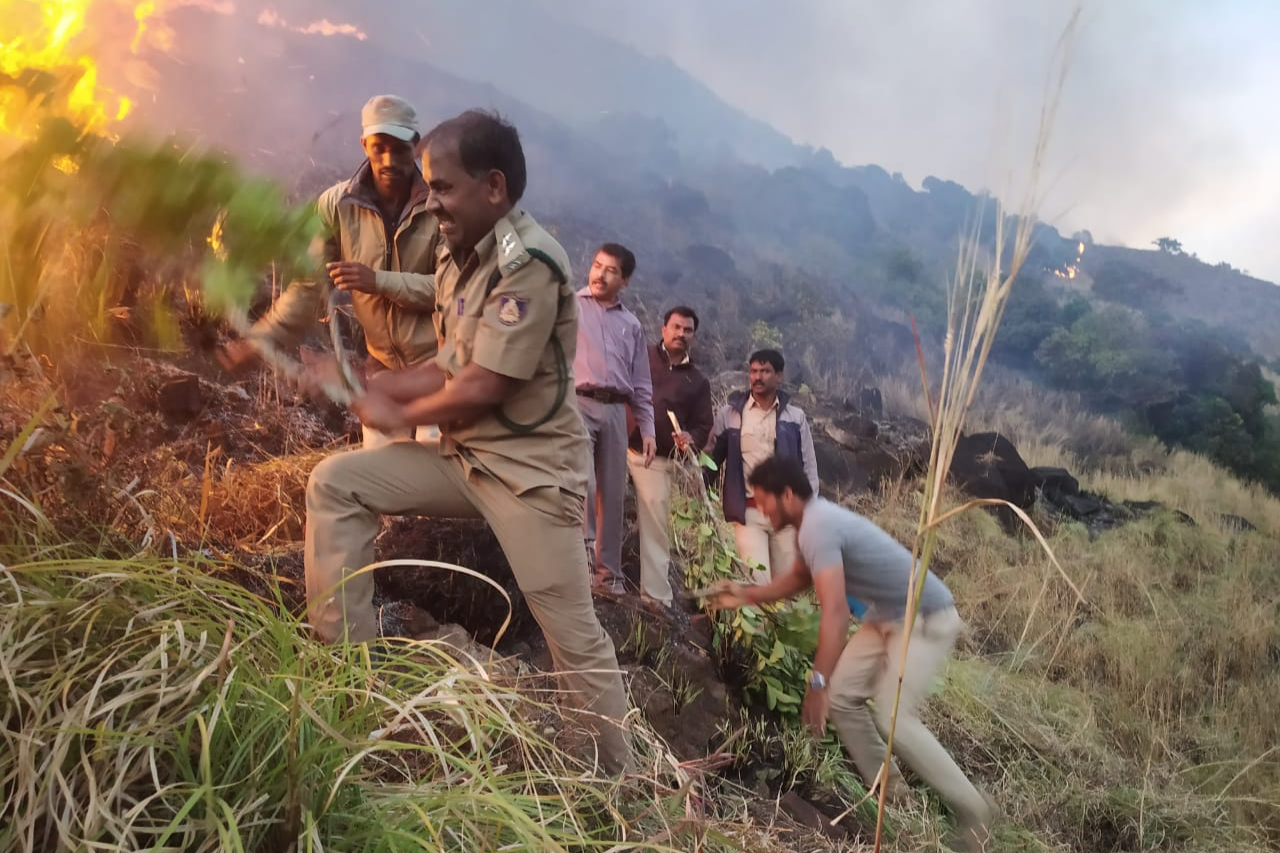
(45, 61)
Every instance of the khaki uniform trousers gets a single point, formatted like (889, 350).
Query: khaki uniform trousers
(540, 532)
(868, 669)
(653, 515)
(758, 542)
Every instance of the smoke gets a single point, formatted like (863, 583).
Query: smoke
(1165, 127)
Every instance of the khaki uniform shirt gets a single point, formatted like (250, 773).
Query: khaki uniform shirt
(397, 318)
(759, 433)
(526, 327)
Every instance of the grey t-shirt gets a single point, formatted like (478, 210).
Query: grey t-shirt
(877, 569)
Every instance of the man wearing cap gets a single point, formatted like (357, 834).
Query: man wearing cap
(381, 249)
(611, 370)
(511, 446)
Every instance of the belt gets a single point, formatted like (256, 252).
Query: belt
(602, 395)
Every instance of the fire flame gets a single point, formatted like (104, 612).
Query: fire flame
(44, 58)
(55, 55)
(1069, 271)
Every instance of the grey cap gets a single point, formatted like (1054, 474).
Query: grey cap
(391, 115)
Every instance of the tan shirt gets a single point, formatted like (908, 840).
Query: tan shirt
(397, 318)
(759, 433)
(526, 327)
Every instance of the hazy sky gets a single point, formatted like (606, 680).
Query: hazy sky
(1169, 123)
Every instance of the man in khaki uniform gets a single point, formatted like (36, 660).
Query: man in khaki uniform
(382, 249)
(501, 390)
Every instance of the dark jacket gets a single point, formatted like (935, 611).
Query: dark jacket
(792, 440)
(682, 389)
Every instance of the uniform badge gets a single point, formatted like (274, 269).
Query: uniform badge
(462, 304)
(511, 310)
(508, 243)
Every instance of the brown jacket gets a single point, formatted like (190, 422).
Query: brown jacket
(682, 389)
(396, 320)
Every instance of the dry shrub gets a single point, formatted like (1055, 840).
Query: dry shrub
(263, 503)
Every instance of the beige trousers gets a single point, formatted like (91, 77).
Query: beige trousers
(540, 532)
(758, 542)
(653, 514)
(868, 670)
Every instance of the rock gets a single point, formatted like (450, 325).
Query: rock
(1236, 523)
(858, 453)
(1056, 479)
(180, 398)
(987, 465)
(869, 401)
(673, 678)
(466, 648)
(808, 815)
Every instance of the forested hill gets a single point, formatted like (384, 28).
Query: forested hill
(771, 240)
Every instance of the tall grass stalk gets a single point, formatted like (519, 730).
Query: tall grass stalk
(976, 299)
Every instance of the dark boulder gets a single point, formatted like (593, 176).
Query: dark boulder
(180, 398)
(987, 465)
(859, 453)
(1058, 480)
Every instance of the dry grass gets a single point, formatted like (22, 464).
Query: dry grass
(1145, 723)
(1048, 427)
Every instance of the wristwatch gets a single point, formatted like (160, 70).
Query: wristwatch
(817, 680)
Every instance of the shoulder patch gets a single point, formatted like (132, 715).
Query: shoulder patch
(512, 310)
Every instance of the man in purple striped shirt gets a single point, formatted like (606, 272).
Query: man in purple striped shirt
(611, 371)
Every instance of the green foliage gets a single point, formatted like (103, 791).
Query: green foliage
(70, 200)
(1109, 354)
(772, 645)
(764, 336)
(1031, 316)
(909, 287)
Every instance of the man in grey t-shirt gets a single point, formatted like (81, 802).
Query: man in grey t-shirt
(846, 556)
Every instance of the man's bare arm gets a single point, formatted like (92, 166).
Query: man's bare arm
(788, 585)
(473, 392)
(833, 629)
(409, 383)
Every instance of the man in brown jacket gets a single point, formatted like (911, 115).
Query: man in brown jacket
(382, 250)
(679, 387)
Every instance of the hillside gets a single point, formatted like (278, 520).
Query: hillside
(1241, 306)
(162, 691)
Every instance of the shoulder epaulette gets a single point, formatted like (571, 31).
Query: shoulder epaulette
(512, 254)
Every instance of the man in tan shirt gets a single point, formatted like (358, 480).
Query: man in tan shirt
(749, 428)
(511, 451)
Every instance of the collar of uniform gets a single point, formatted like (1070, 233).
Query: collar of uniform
(585, 293)
(488, 244)
(752, 404)
(360, 187)
(662, 348)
